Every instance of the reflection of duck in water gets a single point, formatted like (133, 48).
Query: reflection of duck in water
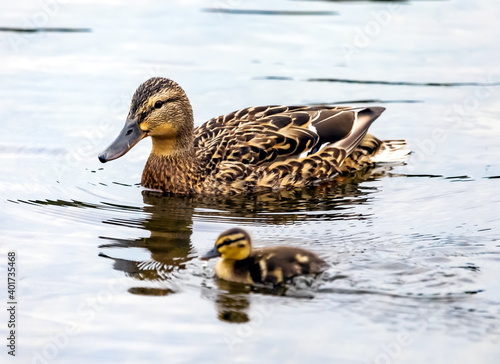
(169, 221)
(275, 265)
(254, 149)
(232, 300)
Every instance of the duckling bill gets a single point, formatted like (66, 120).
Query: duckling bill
(242, 264)
(250, 150)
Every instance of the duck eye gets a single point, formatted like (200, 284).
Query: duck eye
(158, 104)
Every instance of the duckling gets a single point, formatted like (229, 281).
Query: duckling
(264, 148)
(275, 265)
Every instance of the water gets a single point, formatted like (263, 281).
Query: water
(109, 273)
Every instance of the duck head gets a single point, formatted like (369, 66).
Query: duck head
(159, 109)
(232, 244)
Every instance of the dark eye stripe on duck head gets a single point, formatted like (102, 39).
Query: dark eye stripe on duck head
(143, 111)
(159, 103)
(231, 239)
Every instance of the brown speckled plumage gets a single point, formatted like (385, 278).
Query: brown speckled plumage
(163, 173)
(249, 150)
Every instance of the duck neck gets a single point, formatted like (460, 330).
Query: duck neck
(170, 168)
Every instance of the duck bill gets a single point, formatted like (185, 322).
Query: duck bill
(130, 135)
(213, 253)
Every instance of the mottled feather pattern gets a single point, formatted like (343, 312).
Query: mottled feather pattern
(361, 156)
(169, 174)
(274, 140)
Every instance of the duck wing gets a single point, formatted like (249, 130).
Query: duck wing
(278, 264)
(267, 143)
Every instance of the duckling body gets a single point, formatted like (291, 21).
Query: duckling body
(249, 150)
(272, 265)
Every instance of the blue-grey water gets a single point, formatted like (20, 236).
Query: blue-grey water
(107, 273)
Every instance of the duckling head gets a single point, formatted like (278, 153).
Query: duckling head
(159, 109)
(232, 244)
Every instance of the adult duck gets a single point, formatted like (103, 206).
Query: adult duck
(249, 150)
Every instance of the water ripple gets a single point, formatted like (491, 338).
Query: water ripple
(54, 30)
(384, 82)
(268, 12)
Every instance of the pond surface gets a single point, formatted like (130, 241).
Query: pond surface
(109, 273)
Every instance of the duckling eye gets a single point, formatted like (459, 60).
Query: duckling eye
(158, 104)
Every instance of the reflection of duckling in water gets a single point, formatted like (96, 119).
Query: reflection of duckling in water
(242, 264)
